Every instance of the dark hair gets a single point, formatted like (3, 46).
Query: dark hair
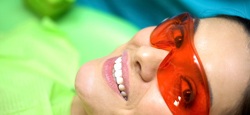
(243, 107)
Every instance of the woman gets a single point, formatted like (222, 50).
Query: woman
(141, 76)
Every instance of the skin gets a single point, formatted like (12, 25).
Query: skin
(221, 45)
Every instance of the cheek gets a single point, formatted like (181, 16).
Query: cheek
(152, 103)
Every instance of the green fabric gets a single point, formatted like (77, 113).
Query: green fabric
(38, 65)
(40, 57)
(94, 33)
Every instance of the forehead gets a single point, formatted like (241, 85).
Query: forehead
(222, 47)
(217, 35)
(222, 42)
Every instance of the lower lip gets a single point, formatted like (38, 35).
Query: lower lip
(108, 74)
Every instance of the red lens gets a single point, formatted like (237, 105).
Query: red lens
(181, 78)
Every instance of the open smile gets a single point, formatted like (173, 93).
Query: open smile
(116, 74)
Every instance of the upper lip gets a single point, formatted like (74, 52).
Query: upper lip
(125, 71)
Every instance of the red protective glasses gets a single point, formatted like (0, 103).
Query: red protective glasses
(181, 77)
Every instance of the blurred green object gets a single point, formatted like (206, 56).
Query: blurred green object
(95, 34)
(40, 57)
(49, 8)
(38, 67)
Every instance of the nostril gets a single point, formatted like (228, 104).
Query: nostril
(138, 67)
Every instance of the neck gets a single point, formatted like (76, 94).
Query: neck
(77, 107)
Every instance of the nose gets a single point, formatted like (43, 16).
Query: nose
(148, 60)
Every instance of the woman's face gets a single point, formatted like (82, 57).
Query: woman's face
(221, 46)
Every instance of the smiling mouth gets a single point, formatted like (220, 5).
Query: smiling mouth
(118, 77)
(116, 74)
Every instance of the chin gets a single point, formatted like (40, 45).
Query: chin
(85, 79)
(94, 93)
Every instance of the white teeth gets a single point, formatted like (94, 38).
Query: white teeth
(117, 74)
(124, 94)
(118, 60)
(118, 66)
(121, 87)
(119, 80)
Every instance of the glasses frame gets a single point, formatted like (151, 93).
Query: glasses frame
(181, 68)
